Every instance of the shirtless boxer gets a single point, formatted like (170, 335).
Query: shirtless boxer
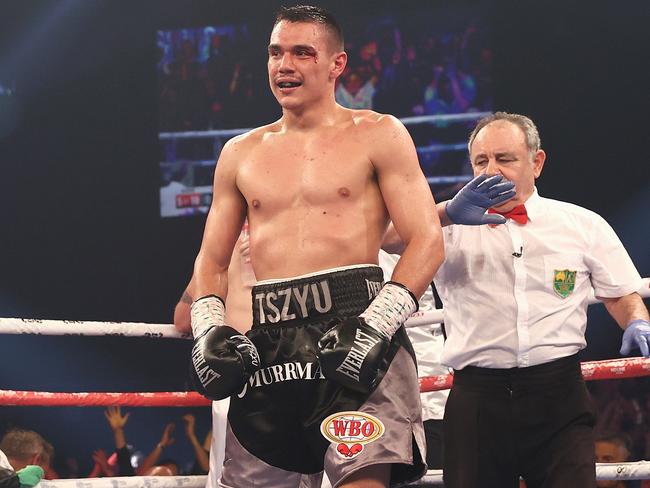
(468, 207)
(326, 348)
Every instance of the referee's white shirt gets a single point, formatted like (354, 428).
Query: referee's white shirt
(502, 309)
(4, 462)
(427, 341)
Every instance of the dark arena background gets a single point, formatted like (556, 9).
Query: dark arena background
(90, 99)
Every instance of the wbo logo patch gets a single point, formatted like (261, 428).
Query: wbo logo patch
(351, 431)
(564, 281)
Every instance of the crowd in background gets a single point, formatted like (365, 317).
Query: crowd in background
(215, 78)
(623, 407)
(211, 78)
(124, 457)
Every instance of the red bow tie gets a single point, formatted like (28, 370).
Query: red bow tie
(518, 214)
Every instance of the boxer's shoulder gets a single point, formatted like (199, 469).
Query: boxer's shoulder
(252, 138)
(369, 120)
(381, 133)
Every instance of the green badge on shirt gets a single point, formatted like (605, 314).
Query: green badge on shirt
(564, 280)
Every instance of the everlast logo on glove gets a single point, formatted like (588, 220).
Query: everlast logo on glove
(374, 287)
(247, 349)
(222, 362)
(294, 302)
(205, 374)
(351, 365)
(351, 353)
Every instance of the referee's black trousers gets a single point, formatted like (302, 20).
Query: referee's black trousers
(534, 422)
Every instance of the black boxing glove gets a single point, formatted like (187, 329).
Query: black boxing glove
(222, 358)
(352, 350)
(9, 478)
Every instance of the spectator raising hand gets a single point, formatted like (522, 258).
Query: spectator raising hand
(202, 455)
(116, 422)
(190, 425)
(165, 440)
(101, 467)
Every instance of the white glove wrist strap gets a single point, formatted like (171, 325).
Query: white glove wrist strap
(390, 309)
(207, 312)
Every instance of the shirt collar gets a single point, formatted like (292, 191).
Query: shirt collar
(534, 205)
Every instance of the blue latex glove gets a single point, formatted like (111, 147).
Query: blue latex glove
(637, 334)
(469, 205)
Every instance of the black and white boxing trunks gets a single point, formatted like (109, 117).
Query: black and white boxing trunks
(289, 423)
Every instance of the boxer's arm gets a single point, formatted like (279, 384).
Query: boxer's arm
(409, 202)
(394, 244)
(222, 227)
(182, 321)
(222, 358)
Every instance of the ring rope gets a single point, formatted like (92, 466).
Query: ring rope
(419, 119)
(83, 328)
(195, 481)
(47, 327)
(102, 399)
(608, 369)
(89, 328)
(13, 325)
(639, 470)
(593, 370)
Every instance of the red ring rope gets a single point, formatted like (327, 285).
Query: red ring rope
(98, 399)
(594, 370)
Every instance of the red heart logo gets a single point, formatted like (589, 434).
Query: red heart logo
(343, 449)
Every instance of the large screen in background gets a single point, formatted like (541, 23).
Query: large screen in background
(431, 68)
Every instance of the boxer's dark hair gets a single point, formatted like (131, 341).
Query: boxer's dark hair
(315, 15)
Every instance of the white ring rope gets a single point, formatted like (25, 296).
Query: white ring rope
(167, 331)
(639, 470)
(128, 482)
(421, 119)
(89, 328)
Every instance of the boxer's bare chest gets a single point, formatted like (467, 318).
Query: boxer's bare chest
(291, 170)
